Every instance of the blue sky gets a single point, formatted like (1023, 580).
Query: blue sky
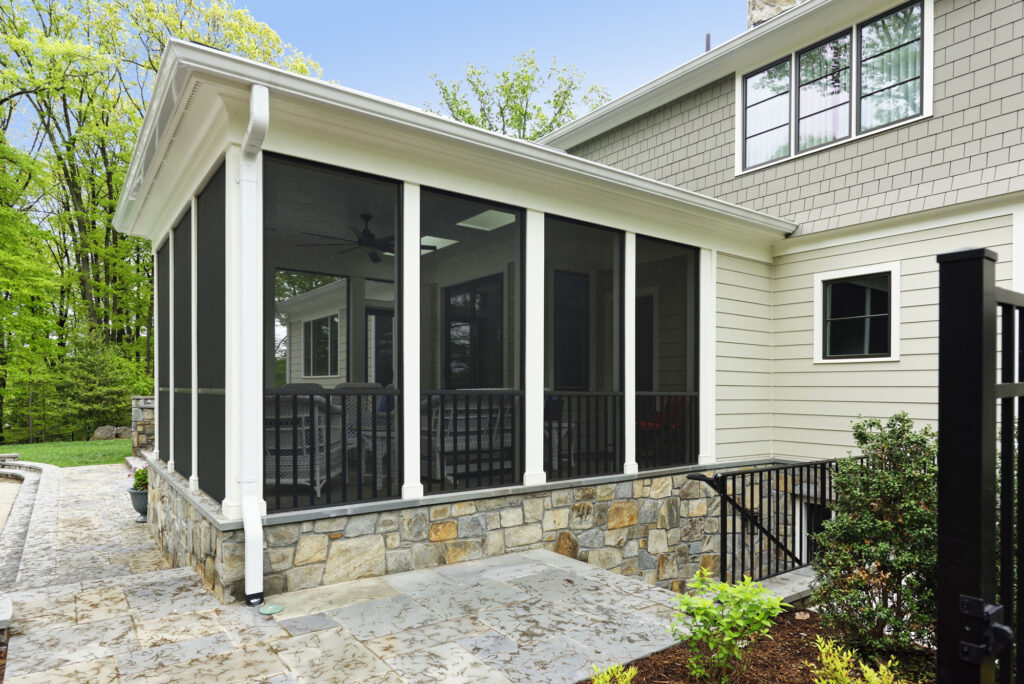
(391, 48)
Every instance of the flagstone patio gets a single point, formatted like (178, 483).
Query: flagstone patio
(95, 602)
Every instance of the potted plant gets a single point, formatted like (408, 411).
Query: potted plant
(139, 492)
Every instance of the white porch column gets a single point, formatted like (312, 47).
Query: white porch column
(707, 322)
(533, 351)
(231, 507)
(409, 280)
(155, 333)
(629, 354)
(171, 381)
(193, 480)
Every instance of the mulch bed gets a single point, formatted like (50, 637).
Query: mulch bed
(779, 660)
(3, 661)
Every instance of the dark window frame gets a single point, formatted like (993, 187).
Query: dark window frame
(385, 313)
(860, 63)
(856, 130)
(789, 106)
(848, 33)
(308, 364)
(476, 380)
(826, 319)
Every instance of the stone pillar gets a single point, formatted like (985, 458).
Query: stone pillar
(760, 11)
(143, 420)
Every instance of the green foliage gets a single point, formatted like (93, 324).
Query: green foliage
(141, 479)
(837, 665)
(519, 101)
(613, 674)
(719, 619)
(77, 76)
(68, 454)
(875, 570)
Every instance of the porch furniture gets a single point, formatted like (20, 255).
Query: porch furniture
(295, 441)
(469, 433)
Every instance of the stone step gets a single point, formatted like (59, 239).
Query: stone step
(6, 613)
(9, 457)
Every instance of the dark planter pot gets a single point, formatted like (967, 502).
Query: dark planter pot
(140, 501)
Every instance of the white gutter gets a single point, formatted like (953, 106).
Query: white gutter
(251, 201)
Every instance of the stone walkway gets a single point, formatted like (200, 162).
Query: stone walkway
(8, 490)
(95, 602)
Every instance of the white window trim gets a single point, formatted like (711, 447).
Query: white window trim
(927, 81)
(818, 332)
(329, 375)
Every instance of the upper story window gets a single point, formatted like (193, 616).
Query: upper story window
(806, 100)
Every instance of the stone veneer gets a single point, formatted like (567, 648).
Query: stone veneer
(661, 528)
(142, 425)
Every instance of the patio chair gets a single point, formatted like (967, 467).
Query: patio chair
(468, 434)
(295, 439)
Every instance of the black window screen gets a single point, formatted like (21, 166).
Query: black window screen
(182, 236)
(210, 334)
(572, 330)
(163, 340)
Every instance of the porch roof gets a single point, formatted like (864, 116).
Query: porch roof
(198, 89)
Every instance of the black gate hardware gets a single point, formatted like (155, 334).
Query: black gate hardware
(996, 634)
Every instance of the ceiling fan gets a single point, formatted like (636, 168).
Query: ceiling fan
(362, 239)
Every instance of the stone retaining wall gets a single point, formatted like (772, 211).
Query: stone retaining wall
(142, 425)
(662, 529)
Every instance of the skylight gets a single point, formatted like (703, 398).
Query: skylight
(438, 243)
(491, 219)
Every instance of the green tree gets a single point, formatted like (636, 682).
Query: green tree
(80, 73)
(876, 567)
(519, 101)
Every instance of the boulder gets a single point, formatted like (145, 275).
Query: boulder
(105, 432)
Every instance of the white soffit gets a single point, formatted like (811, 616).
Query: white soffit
(791, 30)
(182, 61)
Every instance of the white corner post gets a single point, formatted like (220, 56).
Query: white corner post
(707, 322)
(244, 371)
(629, 354)
(171, 380)
(409, 279)
(156, 353)
(193, 480)
(533, 351)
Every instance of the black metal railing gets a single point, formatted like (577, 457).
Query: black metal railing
(582, 434)
(666, 429)
(470, 438)
(325, 447)
(768, 516)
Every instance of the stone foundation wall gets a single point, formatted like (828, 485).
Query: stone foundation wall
(142, 425)
(662, 529)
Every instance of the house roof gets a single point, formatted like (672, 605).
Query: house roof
(184, 64)
(791, 30)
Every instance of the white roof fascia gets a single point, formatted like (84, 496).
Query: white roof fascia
(183, 60)
(793, 29)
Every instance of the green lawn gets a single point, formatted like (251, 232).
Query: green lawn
(66, 454)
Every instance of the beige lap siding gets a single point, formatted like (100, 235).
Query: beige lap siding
(744, 353)
(814, 404)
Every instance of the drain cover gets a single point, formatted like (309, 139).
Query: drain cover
(270, 609)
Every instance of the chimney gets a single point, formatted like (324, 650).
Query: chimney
(760, 11)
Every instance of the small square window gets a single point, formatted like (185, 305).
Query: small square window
(857, 314)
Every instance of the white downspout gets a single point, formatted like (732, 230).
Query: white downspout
(251, 201)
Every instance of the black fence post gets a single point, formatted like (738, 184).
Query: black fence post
(967, 442)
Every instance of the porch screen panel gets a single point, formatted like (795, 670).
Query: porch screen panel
(471, 342)
(330, 241)
(163, 336)
(666, 353)
(210, 333)
(182, 236)
(583, 349)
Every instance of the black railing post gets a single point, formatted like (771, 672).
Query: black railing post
(967, 440)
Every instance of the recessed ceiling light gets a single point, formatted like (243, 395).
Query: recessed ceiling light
(491, 219)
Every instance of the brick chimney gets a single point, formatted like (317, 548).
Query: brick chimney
(760, 11)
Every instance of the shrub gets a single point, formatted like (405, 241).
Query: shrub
(718, 619)
(837, 667)
(875, 570)
(613, 674)
(141, 479)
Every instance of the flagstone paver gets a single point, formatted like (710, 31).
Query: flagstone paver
(95, 602)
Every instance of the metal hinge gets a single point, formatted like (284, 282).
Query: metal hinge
(996, 635)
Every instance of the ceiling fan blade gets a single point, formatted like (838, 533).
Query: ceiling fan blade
(375, 256)
(346, 251)
(355, 231)
(325, 244)
(321, 235)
